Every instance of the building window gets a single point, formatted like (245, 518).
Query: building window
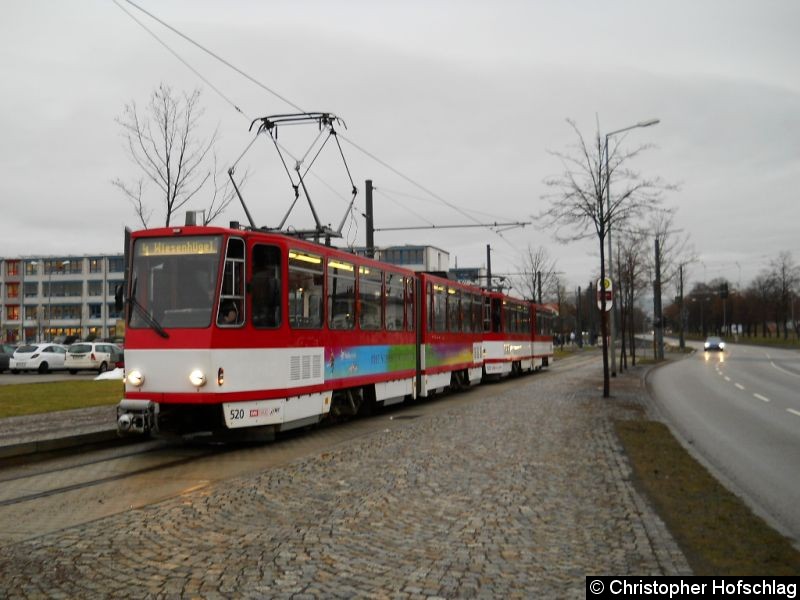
(12, 289)
(95, 265)
(33, 268)
(65, 311)
(63, 289)
(95, 288)
(112, 286)
(12, 312)
(95, 311)
(12, 268)
(112, 311)
(60, 266)
(116, 264)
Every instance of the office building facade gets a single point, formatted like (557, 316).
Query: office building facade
(48, 298)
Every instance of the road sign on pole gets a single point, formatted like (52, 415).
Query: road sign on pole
(605, 287)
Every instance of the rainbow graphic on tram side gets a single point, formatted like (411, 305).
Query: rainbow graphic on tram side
(356, 361)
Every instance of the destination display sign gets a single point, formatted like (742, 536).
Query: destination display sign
(177, 246)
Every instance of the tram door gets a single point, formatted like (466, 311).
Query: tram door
(265, 286)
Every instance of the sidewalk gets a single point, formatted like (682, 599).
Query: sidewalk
(520, 493)
(44, 432)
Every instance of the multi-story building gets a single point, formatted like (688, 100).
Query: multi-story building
(427, 258)
(48, 297)
(416, 258)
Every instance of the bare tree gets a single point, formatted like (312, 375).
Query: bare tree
(786, 277)
(163, 141)
(631, 265)
(580, 207)
(538, 273)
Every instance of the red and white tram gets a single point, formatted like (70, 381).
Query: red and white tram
(249, 332)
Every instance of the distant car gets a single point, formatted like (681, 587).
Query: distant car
(714, 343)
(6, 350)
(38, 357)
(92, 356)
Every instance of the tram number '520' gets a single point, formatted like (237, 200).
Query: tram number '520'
(250, 414)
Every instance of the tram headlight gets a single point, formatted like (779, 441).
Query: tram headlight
(198, 378)
(135, 378)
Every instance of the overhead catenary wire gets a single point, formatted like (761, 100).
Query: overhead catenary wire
(180, 58)
(290, 103)
(216, 56)
(387, 195)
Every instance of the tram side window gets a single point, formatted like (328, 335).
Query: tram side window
(265, 286)
(510, 315)
(453, 310)
(439, 308)
(477, 313)
(544, 323)
(231, 297)
(370, 284)
(466, 312)
(341, 295)
(497, 315)
(410, 283)
(305, 290)
(395, 288)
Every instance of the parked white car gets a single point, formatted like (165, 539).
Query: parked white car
(38, 357)
(92, 356)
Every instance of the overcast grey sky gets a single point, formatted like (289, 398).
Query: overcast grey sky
(465, 98)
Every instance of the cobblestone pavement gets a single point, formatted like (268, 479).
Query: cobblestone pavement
(519, 494)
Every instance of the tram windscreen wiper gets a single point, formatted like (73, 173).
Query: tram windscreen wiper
(154, 325)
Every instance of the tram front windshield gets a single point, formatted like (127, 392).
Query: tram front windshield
(173, 281)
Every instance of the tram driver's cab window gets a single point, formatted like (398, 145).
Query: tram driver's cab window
(265, 286)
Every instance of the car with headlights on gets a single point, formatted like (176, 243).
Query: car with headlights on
(714, 343)
(38, 357)
(92, 356)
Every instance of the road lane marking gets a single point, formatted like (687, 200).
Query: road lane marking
(739, 385)
(726, 378)
(793, 411)
(760, 397)
(783, 370)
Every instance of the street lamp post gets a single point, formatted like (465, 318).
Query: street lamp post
(611, 320)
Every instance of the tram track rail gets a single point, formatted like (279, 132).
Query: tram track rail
(89, 483)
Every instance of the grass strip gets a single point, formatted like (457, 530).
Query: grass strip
(716, 531)
(35, 398)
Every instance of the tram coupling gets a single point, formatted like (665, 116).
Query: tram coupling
(136, 416)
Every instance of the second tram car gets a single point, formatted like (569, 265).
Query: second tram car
(252, 332)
